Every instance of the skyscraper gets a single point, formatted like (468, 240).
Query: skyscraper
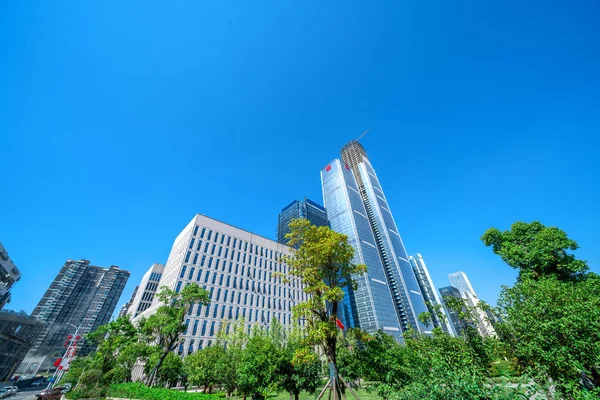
(9, 275)
(305, 208)
(81, 295)
(388, 295)
(17, 332)
(448, 292)
(432, 299)
(237, 267)
(143, 297)
(460, 281)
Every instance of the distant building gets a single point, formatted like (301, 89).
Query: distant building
(461, 282)
(458, 323)
(237, 267)
(125, 307)
(81, 295)
(430, 294)
(17, 332)
(305, 208)
(148, 287)
(9, 275)
(387, 296)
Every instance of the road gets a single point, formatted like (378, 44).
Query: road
(25, 395)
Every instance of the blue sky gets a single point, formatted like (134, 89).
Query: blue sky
(121, 120)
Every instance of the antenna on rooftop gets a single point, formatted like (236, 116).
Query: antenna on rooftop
(363, 134)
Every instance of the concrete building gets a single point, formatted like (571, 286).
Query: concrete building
(82, 297)
(17, 332)
(432, 299)
(236, 267)
(305, 208)
(9, 275)
(146, 290)
(388, 296)
(125, 307)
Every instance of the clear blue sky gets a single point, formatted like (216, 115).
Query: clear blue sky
(119, 120)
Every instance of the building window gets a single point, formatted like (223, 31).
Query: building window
(191, 274)
(181, 275)
(209, 234)
(178, 288)
(198, 310)
(187, 257)
(216, 236)
(206, 276)
(191, 346)
(199, 244)
(195, 230)
(187, 323)
(192, 243)
(212, 328)
(195, 328)
(203, 329)
(223, 311)
(180, 351)
(195, 259)
(203, 260)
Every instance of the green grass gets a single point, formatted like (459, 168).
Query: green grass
(362, 394)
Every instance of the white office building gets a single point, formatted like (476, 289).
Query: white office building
(144, 294)
(460, 281)
(236, 267)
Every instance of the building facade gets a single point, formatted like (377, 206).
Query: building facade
(388, 295)
(9, 275)
(458, 323)
(460, 281)
(125, 307)
(432, 299)
(237, 267)
(305, 208)
(144, 295)
(82, 297)
(17, 332)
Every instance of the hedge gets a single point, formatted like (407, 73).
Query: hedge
(134, 390)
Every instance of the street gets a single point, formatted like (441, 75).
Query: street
(25, 394)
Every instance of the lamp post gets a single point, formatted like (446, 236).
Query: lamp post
(73, 338)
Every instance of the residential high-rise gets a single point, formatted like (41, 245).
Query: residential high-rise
(81, 296)
(457, 322)
(237, 267)
(461, 282)
(125, 307)
(432, 299)
(388, 296)
(9, 274)
(143, 297)
(17, 332)
(305, 208)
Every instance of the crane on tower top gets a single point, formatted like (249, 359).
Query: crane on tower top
(363, 134)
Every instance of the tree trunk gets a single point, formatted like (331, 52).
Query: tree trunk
(296, 396)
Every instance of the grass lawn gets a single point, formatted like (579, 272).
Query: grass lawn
(305, 396)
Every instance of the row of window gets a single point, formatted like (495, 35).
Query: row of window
(236, 243)
(227, 312)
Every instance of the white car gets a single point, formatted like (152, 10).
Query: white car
(4, 393)
(15, 389)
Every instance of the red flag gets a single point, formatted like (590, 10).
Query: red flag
(339, 324)
(57, 362)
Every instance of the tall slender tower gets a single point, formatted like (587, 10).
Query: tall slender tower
(388, 295)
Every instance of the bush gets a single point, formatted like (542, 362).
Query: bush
(87, 393)
(134, 390)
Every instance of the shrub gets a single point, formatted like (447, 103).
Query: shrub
(134, 390)
(87, 393)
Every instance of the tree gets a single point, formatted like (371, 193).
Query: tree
(171, 370)
(551, 316)
(166, 325)
(299, 367)
(258, 366)
(233, 339)
(536, 250)
(111, 338)
(203, 367)
(323, 262)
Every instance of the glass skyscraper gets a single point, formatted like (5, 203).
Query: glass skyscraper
(305, 208)
(432, 299)
(388, 296)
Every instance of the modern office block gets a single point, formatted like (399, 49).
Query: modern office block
(17, 332)
(148, 287)
(9, 275)
(236, 267)
(457, 322)
(432, 299)
(460, 281)
(81, 296)
(388, 295)
(305, 208)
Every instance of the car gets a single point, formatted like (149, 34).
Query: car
(14, 389)
(4, 393)
(50, 394)
(37, 383)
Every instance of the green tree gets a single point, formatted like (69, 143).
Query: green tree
(551, 317)
(258, 366)
(171, 370)
(233, 339)
(110, 339)
(536, 250)
(203, 367)
(323, 262)
(166, 325)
